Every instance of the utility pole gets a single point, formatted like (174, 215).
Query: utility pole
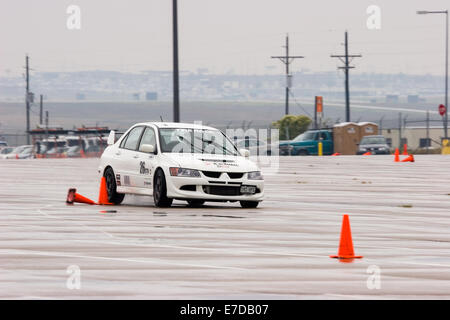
(347, 59)
(27, 98)
(41, 104)
(399, 130)
(381, 125)
(287, 60)
(428, 143)
(176, 86)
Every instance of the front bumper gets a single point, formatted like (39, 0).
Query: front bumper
(204, 188)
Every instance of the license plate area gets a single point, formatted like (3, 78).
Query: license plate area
(248, 189)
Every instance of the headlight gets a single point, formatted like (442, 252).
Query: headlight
(362, 149)
(182, 172)
(255, 175)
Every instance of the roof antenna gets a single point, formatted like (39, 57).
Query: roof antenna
(161, 118)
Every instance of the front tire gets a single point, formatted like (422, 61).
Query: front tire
(249, 204)
(111, 187)
(160, 191)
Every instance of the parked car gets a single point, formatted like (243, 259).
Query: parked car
(15, 153)
(6, 150)
(375, 144)
(74, 152)
(307, 144)
(26, 153)
(180, 161)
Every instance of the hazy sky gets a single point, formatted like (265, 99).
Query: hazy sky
(221, 35)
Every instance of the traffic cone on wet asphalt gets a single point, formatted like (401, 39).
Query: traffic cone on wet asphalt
(367, 153)
(73, 196)
(410, 158)
(336, 154)
(103, 193)
(397, 155)
(346, 243)
(405, 149)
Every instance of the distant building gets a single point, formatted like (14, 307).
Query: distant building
(413, 98)
(151, 96)
(414, 137)
(392, 98)
(136, 96)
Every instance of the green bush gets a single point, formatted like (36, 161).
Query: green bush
(291, 126)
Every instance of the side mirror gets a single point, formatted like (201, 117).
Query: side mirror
(147, 148)
(245, 153)
(111, 138)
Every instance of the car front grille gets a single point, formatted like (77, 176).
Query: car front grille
(222, 190)
(212, 174)
(217, 174)
(235, 175)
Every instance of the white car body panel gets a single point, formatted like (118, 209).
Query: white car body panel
(134, 170)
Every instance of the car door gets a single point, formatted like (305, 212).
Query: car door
(126, 163)
(327, 143)
(147, 161)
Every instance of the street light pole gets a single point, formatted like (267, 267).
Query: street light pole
(445, 118)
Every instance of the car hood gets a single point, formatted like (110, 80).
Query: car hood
(210, 162)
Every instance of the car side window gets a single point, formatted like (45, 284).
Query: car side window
(148, 137)
(132, 139)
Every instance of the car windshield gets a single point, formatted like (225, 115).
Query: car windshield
(306, 136)
(373, 140)
(181, 140)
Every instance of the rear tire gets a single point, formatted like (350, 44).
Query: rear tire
(111, 187)
(249, 204)
(194, 203)
(160, 191)
(302, 152)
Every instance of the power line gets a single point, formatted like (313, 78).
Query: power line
(345, 60)
(287, 60)
(298, 104)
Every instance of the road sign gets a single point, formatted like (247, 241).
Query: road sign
(319, 104)
(442, 109)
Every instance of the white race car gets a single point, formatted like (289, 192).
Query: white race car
(179, 161)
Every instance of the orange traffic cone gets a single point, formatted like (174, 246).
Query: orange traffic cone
(405, 149)
(367, 153)
(397, 155)
(346, 242)
(336, 154)
(73, 196)
(103, 193)
(410, 158)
